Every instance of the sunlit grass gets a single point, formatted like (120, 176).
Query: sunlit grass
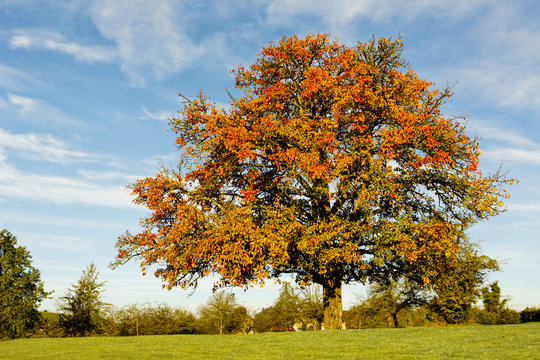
(452, 342)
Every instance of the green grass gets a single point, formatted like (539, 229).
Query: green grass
(452, 342)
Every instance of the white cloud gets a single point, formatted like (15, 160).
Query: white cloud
(14, 79)
(529, 208)
(498, 142)
(497, 83)
(162, 160)
(59, 189)
(106, 175)
(512, 154)
(342, 12)
(54, 41)
(486, 131)
(147, 34)
(25, 217)
(161, 116)
(36, 111)
(60, 242)
(18, 184)
(39, 147)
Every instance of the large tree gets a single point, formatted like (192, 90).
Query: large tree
(334, 163)
(21, 288)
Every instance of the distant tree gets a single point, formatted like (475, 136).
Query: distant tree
(530, 314)
(491, 297)
(495, 308)
(395, 296)
(149, 319)
(284, 312)
(458, 288)
(21, 289)
(312, 305)
(222, 314)
(335, 164)
(81, 307)
(301, 307)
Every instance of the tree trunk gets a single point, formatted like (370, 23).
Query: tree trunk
(395, 319)
(332, 306)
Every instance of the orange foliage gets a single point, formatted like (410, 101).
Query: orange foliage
(335, 164)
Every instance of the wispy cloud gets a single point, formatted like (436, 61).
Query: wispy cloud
(19, 184)
(40, 147)
(106, 175)
(36, 218)
(530, 208)
(498, 142)
(60, 242)
(497, 83)
(54, 41)
(339, 12)
(161, 116)
(36, 111)
(148, 35)
(14, 79)
(487, 131)
(59, 189)
(507, 154)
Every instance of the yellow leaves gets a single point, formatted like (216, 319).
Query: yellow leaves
(334, 162)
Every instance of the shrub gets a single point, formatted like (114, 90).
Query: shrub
(530, 314)
(147, 319)
(501, 317)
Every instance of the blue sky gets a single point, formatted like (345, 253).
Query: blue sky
(86, 87)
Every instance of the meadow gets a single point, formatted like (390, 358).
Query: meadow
(444, 342)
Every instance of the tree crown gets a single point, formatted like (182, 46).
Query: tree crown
(335, 164)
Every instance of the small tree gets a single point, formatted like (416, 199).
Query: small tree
(394, 296)
(21, 289)
(292, 307)
(312, 306)
(82, 306)
(283, 314)
(491, 297)
(495, 309)
(222, 314)
(458, 289)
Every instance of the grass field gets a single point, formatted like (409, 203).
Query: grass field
(451, 342)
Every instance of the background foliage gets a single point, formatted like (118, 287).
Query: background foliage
(21, 289)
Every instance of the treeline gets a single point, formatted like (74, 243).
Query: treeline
(294, 309)
(82, 311)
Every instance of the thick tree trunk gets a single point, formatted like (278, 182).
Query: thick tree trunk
(395, 319)
(332, 306)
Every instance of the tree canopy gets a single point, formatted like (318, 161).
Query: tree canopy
(334, 164)
(21, 288)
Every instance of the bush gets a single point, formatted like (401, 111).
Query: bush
(364, 316)
(508, 316)
(530, 314)
(222, 315)
(486, 318)
(147, 319)
(501, 317)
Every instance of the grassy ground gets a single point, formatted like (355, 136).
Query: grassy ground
(452, 342)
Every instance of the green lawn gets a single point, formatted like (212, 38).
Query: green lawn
(451, 342)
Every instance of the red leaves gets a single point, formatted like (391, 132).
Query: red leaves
(333, 163)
